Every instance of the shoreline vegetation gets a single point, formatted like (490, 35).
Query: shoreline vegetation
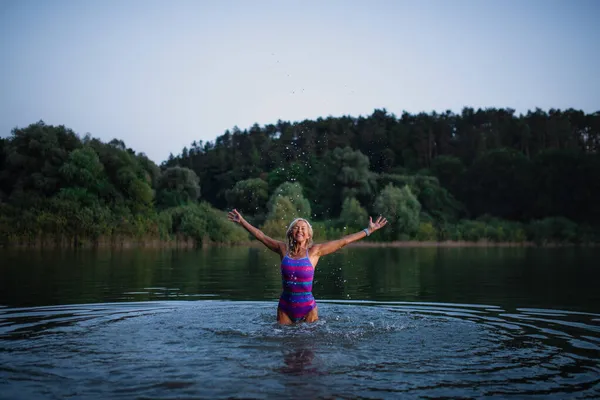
(189, 243)
(481, 243)
(474, 179)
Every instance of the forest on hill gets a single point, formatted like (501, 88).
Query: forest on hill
(483, 174)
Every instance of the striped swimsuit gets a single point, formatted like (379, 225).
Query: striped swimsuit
(297, 279)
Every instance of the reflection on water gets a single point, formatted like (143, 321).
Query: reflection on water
(357, 349)
(516, 277)
(298, 361)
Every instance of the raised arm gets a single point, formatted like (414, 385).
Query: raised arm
(330, 247)
(274, 245)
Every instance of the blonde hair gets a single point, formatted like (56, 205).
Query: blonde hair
(288, 233)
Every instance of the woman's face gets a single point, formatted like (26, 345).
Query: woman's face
(300, 232)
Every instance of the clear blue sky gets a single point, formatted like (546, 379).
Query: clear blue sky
(161, 74)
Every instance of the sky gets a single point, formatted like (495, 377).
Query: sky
(162, 74)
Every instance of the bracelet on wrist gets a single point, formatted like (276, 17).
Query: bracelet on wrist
(366, 231)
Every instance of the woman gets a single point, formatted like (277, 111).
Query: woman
(299, 257)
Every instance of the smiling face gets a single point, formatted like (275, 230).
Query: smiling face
(300, 232)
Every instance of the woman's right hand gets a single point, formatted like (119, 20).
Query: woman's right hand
(235, 216)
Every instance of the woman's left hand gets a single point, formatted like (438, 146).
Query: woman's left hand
(378, 224)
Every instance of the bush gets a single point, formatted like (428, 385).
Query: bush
(553, 230)
(472, 231)
(451, 232)
(327, 230)
(426, 232)
(202, 222)
(353, 216)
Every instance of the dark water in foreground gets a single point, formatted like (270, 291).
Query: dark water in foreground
(395, 323)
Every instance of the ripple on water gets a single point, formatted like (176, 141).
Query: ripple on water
(214, 348)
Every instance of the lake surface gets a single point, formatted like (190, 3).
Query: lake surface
(408, 323)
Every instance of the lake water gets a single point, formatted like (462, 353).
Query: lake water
(394, 323)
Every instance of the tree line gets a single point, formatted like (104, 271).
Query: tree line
(481, 174)
(59, 189)
(534, 174)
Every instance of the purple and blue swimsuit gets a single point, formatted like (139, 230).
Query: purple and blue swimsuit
(297, 279)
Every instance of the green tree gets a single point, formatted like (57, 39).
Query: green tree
(449, 170)
(128, 187)
(344, 173)
(499, 183)
(83, 169)
(177, 186)
(150, 168)
(353, 215)
(34, 156)
(282, 212)
(559, 184)
(435, 200)
(294, 172)
(293, 191)
(286, 203)
(249, 196)
(401, 208)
